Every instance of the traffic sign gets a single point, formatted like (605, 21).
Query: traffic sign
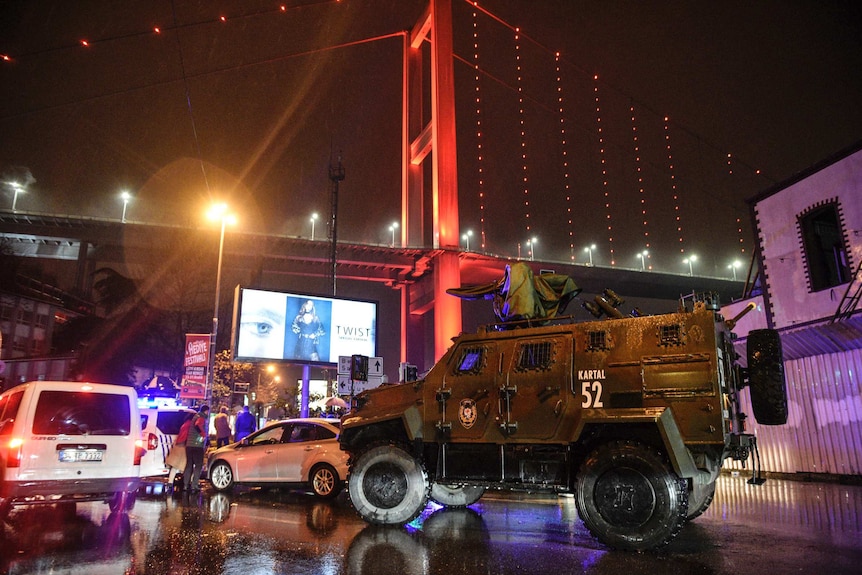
(346, 386)
(375, 367)
(343, 364)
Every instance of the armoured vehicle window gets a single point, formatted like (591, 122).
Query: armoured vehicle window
(534, 355)
(670, 335)
(472, 360)
(597, 340)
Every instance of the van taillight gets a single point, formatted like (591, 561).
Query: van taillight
(152, 442)
(13, 458)
(139, 451)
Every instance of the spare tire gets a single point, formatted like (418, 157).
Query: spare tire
(766, 377)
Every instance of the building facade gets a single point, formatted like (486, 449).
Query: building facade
(809, 238)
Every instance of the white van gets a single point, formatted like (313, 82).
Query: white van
(64, 442)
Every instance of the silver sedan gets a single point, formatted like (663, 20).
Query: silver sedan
(293, 452)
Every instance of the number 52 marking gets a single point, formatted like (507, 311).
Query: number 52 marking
(592, 392)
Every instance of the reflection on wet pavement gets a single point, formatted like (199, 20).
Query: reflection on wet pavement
(780, 527)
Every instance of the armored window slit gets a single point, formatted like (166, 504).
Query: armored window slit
(535, 356)
(597, 341)
(471, 361)
(671, 335)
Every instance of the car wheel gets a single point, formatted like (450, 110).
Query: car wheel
(456, 496)
(387, 485)
(221, 476)
(122, 501)
(324, 481)
(629, 497)
(766, 377)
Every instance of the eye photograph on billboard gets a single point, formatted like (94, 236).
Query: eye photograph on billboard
(301, 328)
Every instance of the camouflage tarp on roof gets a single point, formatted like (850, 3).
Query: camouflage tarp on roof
(521, 296)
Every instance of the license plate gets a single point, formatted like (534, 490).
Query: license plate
(75, 455)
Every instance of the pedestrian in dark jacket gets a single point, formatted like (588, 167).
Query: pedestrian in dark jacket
(244, 424)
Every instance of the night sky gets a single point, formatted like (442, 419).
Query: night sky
(252, 109)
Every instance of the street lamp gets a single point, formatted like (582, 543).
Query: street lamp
(532, 243)
(466, 238)
(689, 260)
(736, 264)
(392, 229)
(18, 190)
(125, 196)
(642, 255)
(312, 220)
(217, 212)
(590, 249)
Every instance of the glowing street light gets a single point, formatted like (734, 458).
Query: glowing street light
(590, 249)
(312, 220)
(392, 229)
(532, 244)
(217, 212)
(125, 196)
(466, 237)
(734, 266)
(642, 255)
(690, 260)
(18, 189)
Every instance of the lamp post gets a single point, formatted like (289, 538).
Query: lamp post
(532, 244)
(589, 249)
(18, 190)
(125, 196)
(392, 229)
(690, 260)
(218, 212)
(734, 266)
(312, 220)
(642, 255)
(466, 238)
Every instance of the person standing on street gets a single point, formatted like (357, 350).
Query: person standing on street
(195, 445)
(222, 427)
(245, 423)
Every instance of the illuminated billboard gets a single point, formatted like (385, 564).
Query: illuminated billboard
(301, 328)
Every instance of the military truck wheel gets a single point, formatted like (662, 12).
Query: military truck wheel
(456, 496)
(387, 485)
(766, 377)
(629, 496)
(699, 499)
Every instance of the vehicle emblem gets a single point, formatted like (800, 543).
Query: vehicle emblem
(467, 413)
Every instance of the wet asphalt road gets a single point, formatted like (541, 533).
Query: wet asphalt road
(780, 527)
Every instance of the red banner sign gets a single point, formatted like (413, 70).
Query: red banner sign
(195, 366)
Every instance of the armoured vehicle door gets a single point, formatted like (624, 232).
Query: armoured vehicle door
(467, 398)
(534, 388)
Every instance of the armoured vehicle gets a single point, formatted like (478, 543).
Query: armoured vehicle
(634, 416)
